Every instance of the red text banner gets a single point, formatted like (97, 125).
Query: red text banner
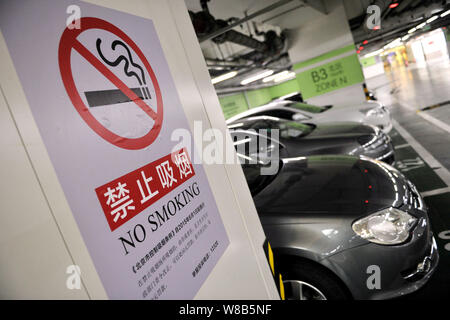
(127, 196)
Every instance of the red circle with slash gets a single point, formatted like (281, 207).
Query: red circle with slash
(67, 43)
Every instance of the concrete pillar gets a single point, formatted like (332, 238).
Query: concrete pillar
(324, 57)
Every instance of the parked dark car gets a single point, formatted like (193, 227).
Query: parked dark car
(340, 226)
(304, 139)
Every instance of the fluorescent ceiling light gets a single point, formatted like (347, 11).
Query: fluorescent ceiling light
(223, 77)
(286, 76)
(420, 26)
(445, 13)
(432, 19)
(405, 38)
(256, 77)
(393, 44)
(412, 30)
(272, 77)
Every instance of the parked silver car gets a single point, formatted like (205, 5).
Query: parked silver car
(370, 112)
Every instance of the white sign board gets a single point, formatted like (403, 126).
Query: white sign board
(101, 93)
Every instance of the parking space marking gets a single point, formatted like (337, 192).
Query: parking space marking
(433, 120)
(440, 170)
(435, 192)
(402, 146)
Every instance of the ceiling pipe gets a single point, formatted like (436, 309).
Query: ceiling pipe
(242, 39)
(403, 5)
(204, 5)
(396, 22)
(241, 21)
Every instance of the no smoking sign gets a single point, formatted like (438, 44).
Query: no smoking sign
(131, 80)
(117, 197)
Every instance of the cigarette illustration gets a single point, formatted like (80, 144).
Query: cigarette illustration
(116, 96)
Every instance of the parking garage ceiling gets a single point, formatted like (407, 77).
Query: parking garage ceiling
(396, 18)
(246, 56)
(291, 15)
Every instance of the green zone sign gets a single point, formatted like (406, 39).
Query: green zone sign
(233, 104)
(330, 76)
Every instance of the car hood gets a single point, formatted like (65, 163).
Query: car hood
(347, 113)
(334, 185)
(340, 130)
(366, 105)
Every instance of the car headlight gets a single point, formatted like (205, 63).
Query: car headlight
(375, 112)
(389, 226)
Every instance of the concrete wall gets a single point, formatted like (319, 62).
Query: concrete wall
(39, 237)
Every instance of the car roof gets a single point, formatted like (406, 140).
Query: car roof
(268, 107)
(260, 118)
(252, 132)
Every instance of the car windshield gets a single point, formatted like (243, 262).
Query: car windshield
(292, 129)
(254, 147)
(257, 155)
(282, 113)
(309, 107)
(287, 129)
(255, 180)
(294, 97)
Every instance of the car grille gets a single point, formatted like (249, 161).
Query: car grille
(381, 140)
(386, 139)
(424, 265)
(412, 197)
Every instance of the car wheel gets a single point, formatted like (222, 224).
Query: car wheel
(307, 281)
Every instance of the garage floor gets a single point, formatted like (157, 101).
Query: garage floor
(419, 99)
